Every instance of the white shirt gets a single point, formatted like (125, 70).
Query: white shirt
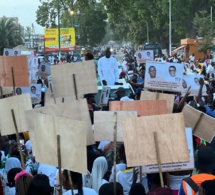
(209, 68)
(192, 58)
(108, 70)
(126, 98)
(86, 191)
(120, 166)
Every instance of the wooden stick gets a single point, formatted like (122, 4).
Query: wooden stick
(157, 95)
(59, 162)
(158, 158)
(18, 140)
(1, 93)
(62, 100)
(13, 80)
(70, 182)
(115, 139)
(75, 87)
(141, 175)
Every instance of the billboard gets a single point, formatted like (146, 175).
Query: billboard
(67, 39)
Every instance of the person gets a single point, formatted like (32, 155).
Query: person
(22, 182)
(89, 56)
(18, 91)
(77, 184)
(207, 187)
(108, 189)
(139, 55)
(205, 164)
(15, 53)
(108, 69)
(192, 58)
(172, 71)
(152, 72)
(121, 95)
(6, 53)
(33, 89)
(40, 185)
(100, 168)
(137, 189)
(43, 68)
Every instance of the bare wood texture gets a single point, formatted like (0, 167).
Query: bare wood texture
(104, 124)
(139, 139)
(63, 83)
(73, 142)
(202, 124)
(19, 104)
(76, 110)
(143, 107)
(20, 68)
(146, 95)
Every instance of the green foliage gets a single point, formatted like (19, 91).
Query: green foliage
(11, 34)
(88, 14)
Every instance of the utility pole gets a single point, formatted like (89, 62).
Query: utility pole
(59, 50)
(170, 27)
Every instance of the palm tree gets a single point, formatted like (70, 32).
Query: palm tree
(11, 33)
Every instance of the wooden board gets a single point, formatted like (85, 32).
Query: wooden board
(143, 107)
(146, 95)
(62, 78)
(139, 139)
(203, 125)
(72, 137)
(7, 90)
(20, 68)
(75, 110)
(104, 124)
(49, 98)
(19, 104)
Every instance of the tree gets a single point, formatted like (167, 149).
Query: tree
(11, 33)
(205, 29)
(88, 14)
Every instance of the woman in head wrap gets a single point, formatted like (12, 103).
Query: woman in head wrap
(99, 170)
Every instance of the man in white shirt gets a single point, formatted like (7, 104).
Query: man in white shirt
(108, 69)
(192, 58)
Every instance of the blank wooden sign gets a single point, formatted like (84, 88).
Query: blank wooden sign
(19, 104)
(203, 125)
(20, 69)
(72, 137)
(147, 95)
(75, 110)
(62, 78)
(104, 124)
(143, 107)
(139, 139)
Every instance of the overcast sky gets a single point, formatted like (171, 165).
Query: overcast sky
(25, 10)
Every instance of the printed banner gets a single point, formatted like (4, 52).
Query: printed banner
(11, 52)
(32, 69)
(67, 39)
(143, 55)
(163, 76)
(105, 93)
(44, 70)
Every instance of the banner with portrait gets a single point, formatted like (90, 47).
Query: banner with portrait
(212, 75)
(32, 69)
(11, 52)
(44, 70)
(193, 81)
(144, 55)
(163, 76)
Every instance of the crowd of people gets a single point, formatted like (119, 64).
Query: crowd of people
(35, 178)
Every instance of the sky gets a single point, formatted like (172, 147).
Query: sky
(25, 10)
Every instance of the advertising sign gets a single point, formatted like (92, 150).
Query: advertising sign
(67, 39)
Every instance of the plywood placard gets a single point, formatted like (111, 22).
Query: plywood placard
(139, 139)
(20, 69)
(19, 104)
(49, 98)
(104, 124)
(202, 124)
(143, 107)
(146, 95)
(62, 78)
(75, 110)
(72, 137)
(7, 90)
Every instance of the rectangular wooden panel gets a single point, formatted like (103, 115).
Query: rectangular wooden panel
(139, 139)
(143, 107)
(104, 124)
(72, 137)
(19, 104)
(20, 69)
(146, 95)
(62, 78)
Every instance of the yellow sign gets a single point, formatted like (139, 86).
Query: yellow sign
(67, 39)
